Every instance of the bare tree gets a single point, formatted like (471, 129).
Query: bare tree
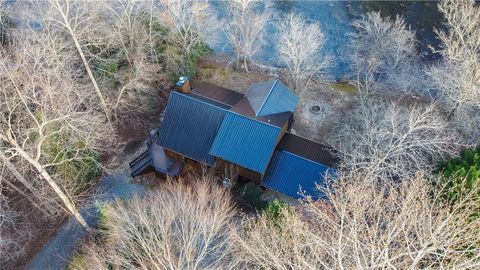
(192, 23)
(457, 77)
(75, 18)
(384, 51)
(45, 120)
(388, 141)
(246, 28)
(13, 234)
(34, 196)
(409, 226)
(112, 41)
(123, 31)
(300, 47)
(455, 83)
(3, 24)
(186, 225)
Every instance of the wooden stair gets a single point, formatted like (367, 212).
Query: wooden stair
(141, 163)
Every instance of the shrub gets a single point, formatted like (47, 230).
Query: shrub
(77, 167)
(249, 195)
(461, 173)
(274, 211)
(177, 62)
(185, 64)
(106, 69)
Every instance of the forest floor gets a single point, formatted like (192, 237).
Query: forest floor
(56, 253)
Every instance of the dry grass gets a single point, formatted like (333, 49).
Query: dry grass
(218, 70)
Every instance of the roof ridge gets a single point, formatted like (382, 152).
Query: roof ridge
(215, 100)
(254, 119)
(206, 103)
(304, 158)
(308, 139)
(266, 97)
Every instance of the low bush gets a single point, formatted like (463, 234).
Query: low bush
(77, 166)
(180, 64)
(248, 195)
(274, 211)
(106, 69)
(461, 173)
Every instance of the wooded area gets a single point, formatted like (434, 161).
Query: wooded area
(74, 75)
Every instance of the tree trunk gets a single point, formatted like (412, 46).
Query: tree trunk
(60, 193)
(27, 184)
(103, 104)
(27, 197)
(238, 62)
(452, 113)
(245, 63)
(67, 25)
(63, 196)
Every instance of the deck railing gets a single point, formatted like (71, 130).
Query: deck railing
(153, 137)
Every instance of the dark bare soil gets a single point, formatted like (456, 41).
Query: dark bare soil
(40, 228)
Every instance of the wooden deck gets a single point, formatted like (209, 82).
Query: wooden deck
(161, 162)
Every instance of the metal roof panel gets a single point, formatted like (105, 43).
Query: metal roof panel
(217, 93)
(308, 149)
(280, 99)
(243, 107)
(257, 93)
(190, 125)
(245, 142)
(291, 174)
(271, 97)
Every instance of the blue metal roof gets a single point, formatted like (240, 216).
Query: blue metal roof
(289, 174)
(245, 142)
(190, 125)
(257, 94)
(271, 97)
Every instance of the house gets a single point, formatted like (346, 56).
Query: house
(213, 126)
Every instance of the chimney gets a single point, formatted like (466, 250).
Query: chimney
(183, 85)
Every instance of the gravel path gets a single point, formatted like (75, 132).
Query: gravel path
(60, 248)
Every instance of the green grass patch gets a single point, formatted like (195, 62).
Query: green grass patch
(344, 87)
